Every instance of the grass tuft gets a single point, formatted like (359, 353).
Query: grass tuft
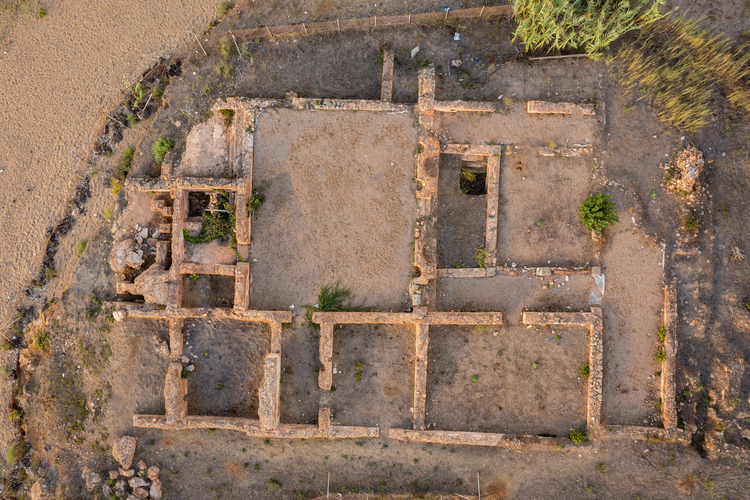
(161, 147)
(81, 247)
(41, 342)
(578, 437)
(482, 255)
(223, 8)
(228, 115)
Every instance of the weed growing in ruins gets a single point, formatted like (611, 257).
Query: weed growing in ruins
(585, 370)
(683, 68)
(223, 8)
(16, 452)
(217, 225)
(578, 437)
(693, 223)
(224, 69)
(158, 92)
(161, 147)
(225, 47)
(256, 201)
(562, 25)
(132, 119)
(333, 298)
(458, 265)
(40, 13)
(475, 378)
(228, 115)
(598, 212)
(359, 373)
(207, 89)
(41, 342)
(652, 194)
(106, 214)
(482, 256)
(194, 277)
(81, 247)
(661, 356)
(116, 186)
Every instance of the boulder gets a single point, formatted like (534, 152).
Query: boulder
(134, 260)
(153, 283)
(93, 480)
(153, 472)
(155, 490)
(137, 482)
(118, 255)
(140, 493)
(124, 450)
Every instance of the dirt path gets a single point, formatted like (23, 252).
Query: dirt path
(58, 74)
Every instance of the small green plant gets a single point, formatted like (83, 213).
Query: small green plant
(578, 437)
(15, 415)
(274, 484)
(41, 341)
(194, 277)
(5, 370)
(223, 8)
(551, 145)
(132, 119)
(359, 373)
(598, 212)
(16, 452)
(585, 370)
(207, 89)
(224, 68)
(482, 256)
(225, 47)
(535, 365)
(661, 356)
(539, 222)
(50, 273)
(458, 265)
(158, 92)
(81, 247)
(116, 186)
(228, 115)
(475, 378)
(161, 147)
(693, 223)
(652, 194)
(256, 201)
(107, 213)
(333, 298)
(662, 334)
(256, 467)
(40, 13)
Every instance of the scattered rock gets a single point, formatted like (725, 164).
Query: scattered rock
(184, 359)
(134, 260)
(143, 234)
(107, 491)
(456, 63)
(119, 315)
(141, 465)
(140, 493)
(127, 472)
(37, 492)
(93, 480)
(118, 255)
(137, 482)
(113, 474)
(684, 173)
(190, 368)
(161, 346)
(153, 472)
(155, 490)
(124, 451)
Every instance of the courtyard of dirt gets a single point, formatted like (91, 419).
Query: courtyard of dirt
(340, 205)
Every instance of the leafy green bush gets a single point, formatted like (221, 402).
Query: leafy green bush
(161, 147)
(216, 226)
(598, 212)
(333, 298)
(578, 437)
(583, 25)
(585, 370)
(223, 8)
(16, 452)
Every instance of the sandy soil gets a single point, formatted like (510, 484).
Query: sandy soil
(342, 207)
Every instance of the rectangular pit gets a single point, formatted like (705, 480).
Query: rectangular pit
(300, 394)
(226, 381)
(460, 217)
(207, 290)
(520, 381)
(385, 394)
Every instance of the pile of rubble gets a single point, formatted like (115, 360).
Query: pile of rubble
(683, 174)
(125, 482)
(130, 254)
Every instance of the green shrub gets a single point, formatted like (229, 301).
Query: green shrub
(215, 226)
(225, 47)
(585, 370)
(274, 484)
(597, 212)
(161, 147)
(256, 201)
(41, 13)
(578, 437)
(41, 342)
(16, 452)
(224, 69)
(81, 247)
(223, 8)
(481, 254)
(333, 298)
(132, 119)
(661, 356)
(588, 26)
(228, 115)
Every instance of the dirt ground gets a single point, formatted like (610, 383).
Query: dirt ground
(79, 394)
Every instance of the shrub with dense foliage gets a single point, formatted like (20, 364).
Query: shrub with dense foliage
(598, 212)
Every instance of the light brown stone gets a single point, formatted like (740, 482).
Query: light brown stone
(124, 450)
